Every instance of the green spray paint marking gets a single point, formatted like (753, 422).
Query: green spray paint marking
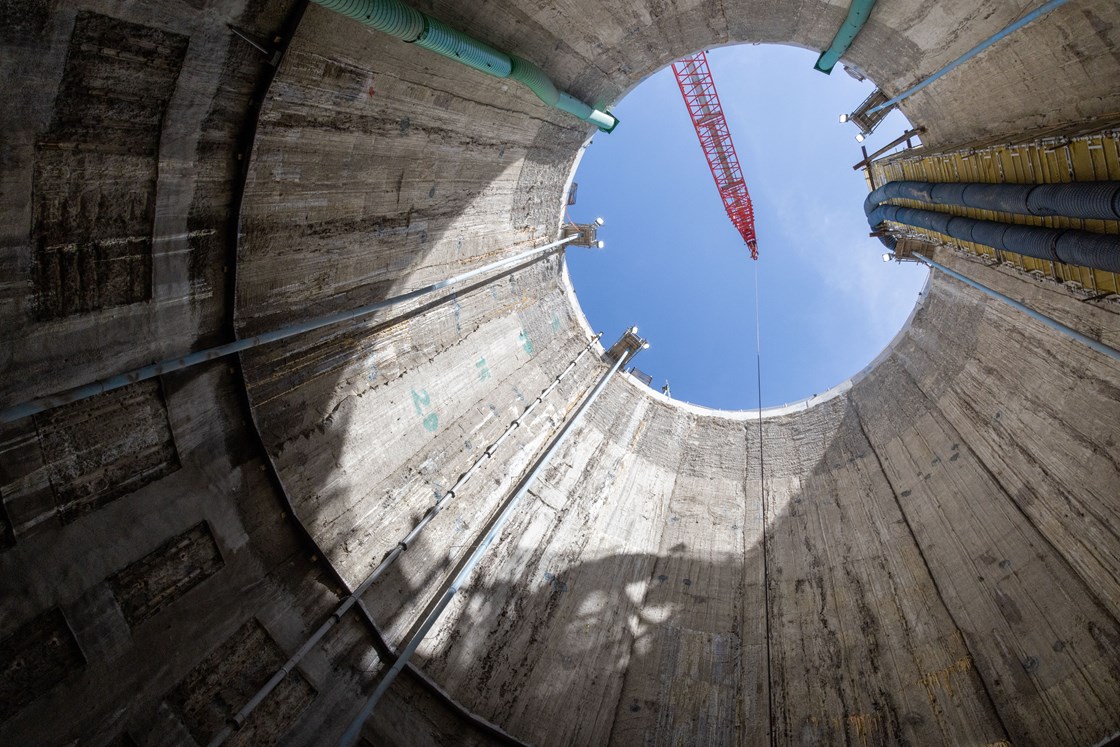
(483, 370)
(555, 323)
(422, 401)
(526, 342)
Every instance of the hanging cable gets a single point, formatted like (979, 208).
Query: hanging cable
(762, 498)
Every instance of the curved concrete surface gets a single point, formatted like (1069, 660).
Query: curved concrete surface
(930, 554)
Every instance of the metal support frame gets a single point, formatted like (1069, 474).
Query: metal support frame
(583, 234)
(866, 117)
(905, 137)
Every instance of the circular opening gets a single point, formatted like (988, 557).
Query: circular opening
(676, 266)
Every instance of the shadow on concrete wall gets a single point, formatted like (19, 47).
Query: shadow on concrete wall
(859, 646)
(621, 640)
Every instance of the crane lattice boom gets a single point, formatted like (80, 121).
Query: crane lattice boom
(699, 92)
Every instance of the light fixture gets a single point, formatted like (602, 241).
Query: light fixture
(600, 244)
(634, 330)
(645, 346)
(860, 137)
(886, 258)
(843, 118)
(599, 221)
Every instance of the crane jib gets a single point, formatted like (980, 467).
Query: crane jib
(699, 91)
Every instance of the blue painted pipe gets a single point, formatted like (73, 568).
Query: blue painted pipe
(10, 414)
(858, 13)
(1054, 324)
(1028, 18)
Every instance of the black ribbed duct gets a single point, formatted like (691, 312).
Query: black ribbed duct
(1082, 200)
(1097, 250)
(1085, 200)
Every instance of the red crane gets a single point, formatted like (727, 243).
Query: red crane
(699, 92)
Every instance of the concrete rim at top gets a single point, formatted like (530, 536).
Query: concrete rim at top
(766, 412)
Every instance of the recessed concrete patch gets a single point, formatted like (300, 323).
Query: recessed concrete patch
(35, 658)
(167, 573)
(7, 536)
(95, 169)
(107, 446)
(217, 688)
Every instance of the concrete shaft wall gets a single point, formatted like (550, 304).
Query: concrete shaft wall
(930, 556)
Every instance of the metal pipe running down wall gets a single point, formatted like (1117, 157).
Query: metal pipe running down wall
(410, 25)
(1054, 324)
(353, 732)
(1029, 18)
(41, 404)
(354, 598)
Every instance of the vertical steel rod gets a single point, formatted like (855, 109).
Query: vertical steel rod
(355, 728)
(9, 414)
(355, 596)
(1028, 18)
(1054, 324)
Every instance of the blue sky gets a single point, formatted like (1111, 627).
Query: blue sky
(675, 266)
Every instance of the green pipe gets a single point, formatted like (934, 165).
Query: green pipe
(410, 25)
(535, 79)
(390, 16)
(442, 39)
(858, 13)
